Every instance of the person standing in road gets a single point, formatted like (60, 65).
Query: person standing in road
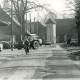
(26, 45)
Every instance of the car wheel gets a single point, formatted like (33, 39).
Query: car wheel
(35, 44)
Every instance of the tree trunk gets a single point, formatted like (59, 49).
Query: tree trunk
(22, 23)
(23, 27)
(79, 36)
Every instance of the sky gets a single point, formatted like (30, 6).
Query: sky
(54, 5)
(57, 5)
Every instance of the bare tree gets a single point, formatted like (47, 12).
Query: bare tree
(77, 17)
(74, 5)
(21, 8)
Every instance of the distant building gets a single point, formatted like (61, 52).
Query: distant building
(37, 28)
(51, 31)
(65, 29)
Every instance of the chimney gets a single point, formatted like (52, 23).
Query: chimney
(6, 4)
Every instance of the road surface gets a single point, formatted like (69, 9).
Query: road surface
(47, 62)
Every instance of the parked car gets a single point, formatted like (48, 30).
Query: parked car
(35, 41)
(19, 45)
(1, 46)
(6, 45)
(40, 42)
(74, 42)
(47, 43)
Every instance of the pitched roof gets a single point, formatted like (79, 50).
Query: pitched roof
(5, 16)
(49, 21)
(3, 23)
(13, 18)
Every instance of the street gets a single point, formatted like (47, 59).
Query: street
(47, 62)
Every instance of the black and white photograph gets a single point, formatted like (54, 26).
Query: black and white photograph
(39, 39)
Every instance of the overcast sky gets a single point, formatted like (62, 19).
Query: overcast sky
(57, 5)
(54, 5)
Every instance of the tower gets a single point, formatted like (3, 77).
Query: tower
(51, 31)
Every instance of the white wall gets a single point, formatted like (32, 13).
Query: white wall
(51, 33)
(54, 32)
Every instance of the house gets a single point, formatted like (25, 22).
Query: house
(65, 29)
(5, 31)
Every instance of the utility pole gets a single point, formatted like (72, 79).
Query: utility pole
(26, 29)
(30, 23)
(34, 24)
(21, 28)
(37, 27)
(11, 27)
